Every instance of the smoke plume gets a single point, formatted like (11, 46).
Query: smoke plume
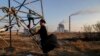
(87, 11)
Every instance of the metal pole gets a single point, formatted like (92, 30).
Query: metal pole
(10, 24)
(69, 23)
(42, 8)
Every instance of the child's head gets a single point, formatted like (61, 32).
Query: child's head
(42, 22)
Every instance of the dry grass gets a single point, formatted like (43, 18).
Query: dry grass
(66, 35)
(19, 43)
(66, 48)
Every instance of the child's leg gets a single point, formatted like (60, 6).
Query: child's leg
(29, 22)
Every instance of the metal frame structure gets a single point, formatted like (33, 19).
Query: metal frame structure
(10, 11)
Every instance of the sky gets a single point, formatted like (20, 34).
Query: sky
(57, 11)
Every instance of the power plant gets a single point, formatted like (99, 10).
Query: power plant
(61, 28)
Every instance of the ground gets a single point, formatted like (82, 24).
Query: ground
(25, 45)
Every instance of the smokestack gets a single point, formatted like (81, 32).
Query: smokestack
(69, 23)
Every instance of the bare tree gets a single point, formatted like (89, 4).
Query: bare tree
(87, 28)
(88, 31)
(96, 27)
